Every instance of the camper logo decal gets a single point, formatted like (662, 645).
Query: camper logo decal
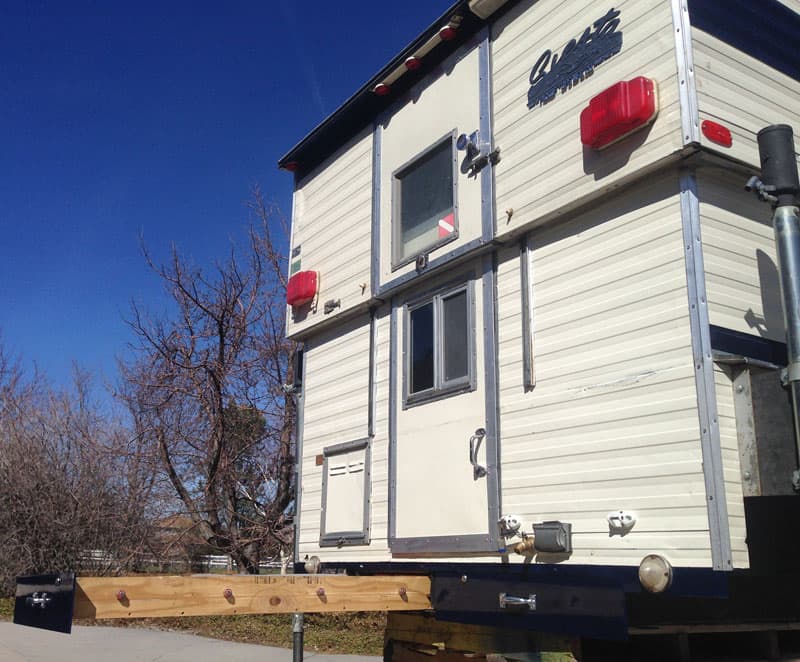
(555, 72)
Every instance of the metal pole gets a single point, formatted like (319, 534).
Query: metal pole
(787, 238)
(781, 188)
(297, 638)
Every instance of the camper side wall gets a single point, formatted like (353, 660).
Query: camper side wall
(331, 229)
(544, 169)
(611, 423)
(737, 82)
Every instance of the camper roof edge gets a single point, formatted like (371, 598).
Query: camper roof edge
(364, 105)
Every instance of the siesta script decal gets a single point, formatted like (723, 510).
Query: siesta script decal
(553, 72)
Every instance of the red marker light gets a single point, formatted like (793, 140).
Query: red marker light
(382, 89)
(717, 133)
(290, 166)
(301, 288)
(618, 111)
(413, 63)
(447, 33)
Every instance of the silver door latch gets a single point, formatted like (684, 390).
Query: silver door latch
(478, 471)
(513, 601)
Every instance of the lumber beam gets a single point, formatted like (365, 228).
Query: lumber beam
(209, 595)
(410, 635)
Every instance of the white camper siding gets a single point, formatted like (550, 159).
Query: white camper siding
(335, 410)
(544, 168)
(739, 254)
(741, 93)
(731, 466)
(612, 422)
(331, 227)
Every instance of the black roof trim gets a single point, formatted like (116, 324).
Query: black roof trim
(361, 108)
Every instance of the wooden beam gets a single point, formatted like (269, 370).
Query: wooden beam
(206, 595)
(422, 632)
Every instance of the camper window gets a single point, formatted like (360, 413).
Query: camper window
(439, 333)
(423, 194)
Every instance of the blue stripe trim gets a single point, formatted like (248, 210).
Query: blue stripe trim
(686, 582)
(766, 30)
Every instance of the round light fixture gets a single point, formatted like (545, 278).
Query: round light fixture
(382, 89)
(413, 63)
(447, 33)
(655, 573)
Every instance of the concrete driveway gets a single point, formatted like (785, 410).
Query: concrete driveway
(108, 644)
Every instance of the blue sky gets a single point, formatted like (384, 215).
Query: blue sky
(154, 118)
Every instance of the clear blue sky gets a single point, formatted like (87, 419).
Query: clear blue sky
(121, 118)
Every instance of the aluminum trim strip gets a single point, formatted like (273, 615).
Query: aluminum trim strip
(373, 369)
(490, 350)
(393, 420)
(526, 294)
(687, 88)
(432, 544)
(393, 285)
(485, 113)
(704, 375)
(375, 262)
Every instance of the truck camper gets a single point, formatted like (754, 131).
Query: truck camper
(543, 341)
(545, 278)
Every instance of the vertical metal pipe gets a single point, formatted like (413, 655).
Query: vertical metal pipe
(787, 239)
(297, 637)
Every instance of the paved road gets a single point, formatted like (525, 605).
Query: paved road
(107, 644)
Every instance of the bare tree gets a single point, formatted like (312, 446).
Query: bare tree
(204, 387)
(72, 496)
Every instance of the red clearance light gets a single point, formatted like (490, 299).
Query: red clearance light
(717, 133)
(382, 89)
(447, 33)
(413, 63)
(301, 288)
(291, 166)
(618, 111)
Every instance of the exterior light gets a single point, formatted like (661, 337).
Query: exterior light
(301, 288)
(447, 33)
(619, 111)
(290, 166)
(716, 133)
(413, 63)
(382, 89)
(655, 573)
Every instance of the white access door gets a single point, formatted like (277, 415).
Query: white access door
(443, 447)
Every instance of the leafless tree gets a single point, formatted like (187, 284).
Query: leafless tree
(71, 495)
(204, 386)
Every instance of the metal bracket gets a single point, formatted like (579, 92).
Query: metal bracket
(512, 601)
(763, 191)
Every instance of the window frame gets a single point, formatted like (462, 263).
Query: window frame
(441, 388)
(396, 229)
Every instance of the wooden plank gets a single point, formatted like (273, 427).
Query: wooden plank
(205, 595)
(423, 631)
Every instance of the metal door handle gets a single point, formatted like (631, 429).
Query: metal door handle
(513, 601)
(478, 471)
